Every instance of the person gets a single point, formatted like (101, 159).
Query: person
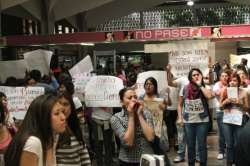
(134, 127)
(234, 107)
(36, 79)
(217, 90)
(243, 63)
(176, 85)
(244, 81)
(193, 113)
(71, 148)
(6, 134)
(34, 142)
(242, 149)
(156, 105)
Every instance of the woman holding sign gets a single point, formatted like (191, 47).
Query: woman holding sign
(234, 103)
(134, 127)
(156, 104)
(193, 113)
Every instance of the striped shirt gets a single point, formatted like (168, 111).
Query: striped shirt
(73, 154)
(119, 123)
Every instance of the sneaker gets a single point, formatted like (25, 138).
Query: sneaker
(178, 159)
(220, 156)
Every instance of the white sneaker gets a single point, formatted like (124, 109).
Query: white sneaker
(220, 156)
(178, 159)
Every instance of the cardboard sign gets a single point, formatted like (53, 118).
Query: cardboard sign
(103, 91)
(185, 55)
(160, 77)
(39, 60)
(19, 99)
(84, 66)
(157, 114)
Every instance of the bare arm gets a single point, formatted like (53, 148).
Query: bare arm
(245, 103)
(179, 110)
(28, 158)
(170, 80)
(207, 92)
(129, 135)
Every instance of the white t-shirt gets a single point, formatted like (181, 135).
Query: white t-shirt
(34, 145)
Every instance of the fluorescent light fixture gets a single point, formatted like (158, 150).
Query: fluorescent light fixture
(190, 3)
(87, 44)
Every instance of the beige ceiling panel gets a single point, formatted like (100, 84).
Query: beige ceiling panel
(10, 3)
(52, 4)
(240, 1)
(34, 8)
(67, 8)
(19, 11)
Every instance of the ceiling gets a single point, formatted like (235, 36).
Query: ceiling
(94, 12)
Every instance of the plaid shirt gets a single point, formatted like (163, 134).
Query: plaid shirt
(119, 123)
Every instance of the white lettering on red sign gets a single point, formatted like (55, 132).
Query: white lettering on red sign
(162, 34)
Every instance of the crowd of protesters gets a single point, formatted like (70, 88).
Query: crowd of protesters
(59, 129)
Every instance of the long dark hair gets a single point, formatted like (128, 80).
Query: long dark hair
(154, 82)
(72, 120)
(190, 75)
(37, 122)
(2, 109)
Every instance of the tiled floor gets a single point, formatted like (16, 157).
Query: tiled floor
(212, 154)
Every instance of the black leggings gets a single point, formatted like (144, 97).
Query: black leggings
(122, 163)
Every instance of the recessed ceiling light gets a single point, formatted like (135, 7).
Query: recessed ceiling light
(190, 3)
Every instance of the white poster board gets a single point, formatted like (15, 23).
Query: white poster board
(80, 81)
(19, 99)
(15, 68)
(185, 55)
(39, 60)
(236, 59)
(160, 77)
(84, 66)
(233, 117)
(103, 91)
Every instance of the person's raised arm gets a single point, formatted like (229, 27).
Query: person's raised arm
(170, 79)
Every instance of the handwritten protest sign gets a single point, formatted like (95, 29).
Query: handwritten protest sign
(15, 68)
(233, 117)
(157, 114)
(236, 59)
(39, 60)
(103, 91)
(19, 98)
(80, 81)
(84, 66)
(185, 55)
(160, 77)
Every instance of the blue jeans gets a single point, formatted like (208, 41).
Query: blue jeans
(231, 133)
(219, 118)
(197, 131)
(181, 141)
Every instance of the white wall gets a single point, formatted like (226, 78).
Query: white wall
(224, 49)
